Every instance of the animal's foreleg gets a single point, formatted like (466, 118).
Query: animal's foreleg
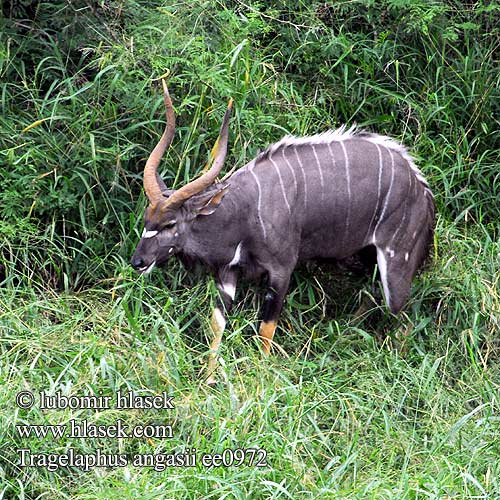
(226, 284)
(273, 302)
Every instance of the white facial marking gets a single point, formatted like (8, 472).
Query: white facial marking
(406, 256)
(149, 268)
(149, 234)
(237, 255)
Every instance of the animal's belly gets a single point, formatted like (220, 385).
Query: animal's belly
(331, 241)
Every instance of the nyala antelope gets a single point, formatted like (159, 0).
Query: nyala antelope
(330, 195)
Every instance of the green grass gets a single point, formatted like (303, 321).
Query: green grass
(381, 407)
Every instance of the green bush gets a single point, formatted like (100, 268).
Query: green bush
(380, 407)
(80, 113)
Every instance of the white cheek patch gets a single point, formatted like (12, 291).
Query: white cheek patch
(148, 234)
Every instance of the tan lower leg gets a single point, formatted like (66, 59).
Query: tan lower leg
(217, 325)
(266, 333)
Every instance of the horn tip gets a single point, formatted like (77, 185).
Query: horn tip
(165, 88)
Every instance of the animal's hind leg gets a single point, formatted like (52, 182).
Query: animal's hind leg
(396, 272)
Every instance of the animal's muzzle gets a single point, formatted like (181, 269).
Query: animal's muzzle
(137, 263)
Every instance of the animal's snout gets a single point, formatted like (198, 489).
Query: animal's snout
(142, 266)
(137, 263)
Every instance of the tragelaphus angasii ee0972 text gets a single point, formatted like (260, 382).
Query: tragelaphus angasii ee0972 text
(330, 195)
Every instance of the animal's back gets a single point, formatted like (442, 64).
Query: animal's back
(335, 193)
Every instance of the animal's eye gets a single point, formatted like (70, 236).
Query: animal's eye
(169, 225)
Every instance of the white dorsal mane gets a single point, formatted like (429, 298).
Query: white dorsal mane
(343, 134)
(340, 134)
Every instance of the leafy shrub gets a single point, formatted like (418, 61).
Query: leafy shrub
(80, 115)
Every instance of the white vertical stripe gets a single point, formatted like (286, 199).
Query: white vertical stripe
(382, 267)
(320, 172)
(334, 169)
(303, 175)
(348, 181)
(403, 219)
(387, 196)
(259, 200)
(380, 169)
(332, 156)
(281, 184)
(290, 167)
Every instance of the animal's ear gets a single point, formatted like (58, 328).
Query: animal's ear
(163, 188)
(167, 192)
(207, 203)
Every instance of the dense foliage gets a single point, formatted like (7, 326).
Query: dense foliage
(80, 113)
(343, 417)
